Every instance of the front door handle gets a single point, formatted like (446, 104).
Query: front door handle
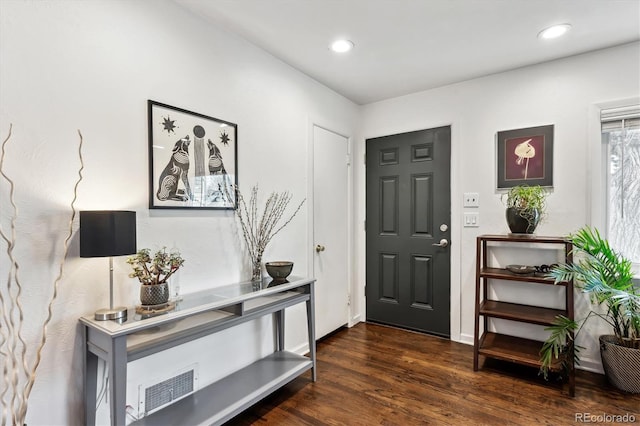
(319, 248)
(443, 243)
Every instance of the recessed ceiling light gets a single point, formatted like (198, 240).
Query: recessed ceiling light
(341, 46)
(554, 31)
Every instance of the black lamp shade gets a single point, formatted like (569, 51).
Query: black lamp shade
(105, 233)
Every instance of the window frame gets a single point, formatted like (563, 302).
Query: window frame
(597, 167)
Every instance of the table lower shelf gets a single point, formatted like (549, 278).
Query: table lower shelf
(513, 349)
(227, 397)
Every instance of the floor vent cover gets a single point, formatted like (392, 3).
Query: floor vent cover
(160, 394)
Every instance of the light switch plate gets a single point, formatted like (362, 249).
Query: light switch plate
(471, 199)
(471, 220)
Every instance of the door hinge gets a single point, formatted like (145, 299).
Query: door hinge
(365, 225)
(364, 157)
(349, 300)
(348, 160)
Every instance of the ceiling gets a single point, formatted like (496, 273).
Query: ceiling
(405, 46)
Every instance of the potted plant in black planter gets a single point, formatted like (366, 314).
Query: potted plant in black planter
(607, 278)
(526, 205)
(153, 273)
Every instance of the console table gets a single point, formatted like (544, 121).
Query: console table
(197, 315)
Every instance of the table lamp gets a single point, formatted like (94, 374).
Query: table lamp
(108, 233)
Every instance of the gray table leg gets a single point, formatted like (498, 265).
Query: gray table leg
(312, 330)
(117, 364)
(90, 370)
(279, 317)
(276, 331)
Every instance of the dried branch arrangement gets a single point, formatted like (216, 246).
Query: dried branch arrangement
(259, 230)
(18, 373)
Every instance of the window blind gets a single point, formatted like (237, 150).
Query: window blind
(619, 114)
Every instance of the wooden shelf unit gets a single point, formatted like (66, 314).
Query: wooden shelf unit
(518, 312)
(515, 349)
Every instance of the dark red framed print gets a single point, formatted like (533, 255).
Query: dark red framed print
(525, 157)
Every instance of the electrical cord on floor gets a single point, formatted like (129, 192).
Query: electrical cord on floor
(130, 412)
(105, 385)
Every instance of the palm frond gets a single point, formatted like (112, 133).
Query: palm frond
(559, 344)
(607, 278)
(601, 260)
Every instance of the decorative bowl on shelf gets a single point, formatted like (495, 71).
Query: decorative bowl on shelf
(279, 271)
(521, 269)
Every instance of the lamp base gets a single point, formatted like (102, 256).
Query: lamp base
(117, 313)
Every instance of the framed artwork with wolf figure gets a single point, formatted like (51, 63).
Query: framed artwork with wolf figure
(193, 159)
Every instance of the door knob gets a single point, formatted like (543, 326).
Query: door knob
(319, 248)
(443, 243)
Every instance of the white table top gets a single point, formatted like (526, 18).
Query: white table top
(194, 303)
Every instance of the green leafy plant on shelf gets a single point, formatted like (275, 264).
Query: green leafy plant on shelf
(529, 202)
(157, 269)
(608, 279)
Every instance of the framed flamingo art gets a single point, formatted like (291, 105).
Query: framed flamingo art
(525, 157)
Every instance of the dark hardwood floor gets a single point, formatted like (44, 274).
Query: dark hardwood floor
(376, 375)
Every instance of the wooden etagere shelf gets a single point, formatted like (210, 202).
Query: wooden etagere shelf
(518, 312)
(504, 274)
(515, 349)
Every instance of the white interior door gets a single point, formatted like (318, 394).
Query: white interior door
(330, 229)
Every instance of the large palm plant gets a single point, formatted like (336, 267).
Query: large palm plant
(608, 278)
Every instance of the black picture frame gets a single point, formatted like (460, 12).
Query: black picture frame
(525, 157)
(193, 159)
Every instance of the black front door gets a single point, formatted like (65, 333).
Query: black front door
(408, 222)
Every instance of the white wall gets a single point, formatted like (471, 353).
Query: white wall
(559, 93)
(68, 65)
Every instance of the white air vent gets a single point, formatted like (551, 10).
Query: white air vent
(162, 392)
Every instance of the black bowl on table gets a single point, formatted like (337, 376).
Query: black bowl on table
(279, 271)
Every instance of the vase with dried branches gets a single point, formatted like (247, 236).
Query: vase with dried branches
(259, 230)
(21, 362)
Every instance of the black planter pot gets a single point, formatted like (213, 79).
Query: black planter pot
(519, 224)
